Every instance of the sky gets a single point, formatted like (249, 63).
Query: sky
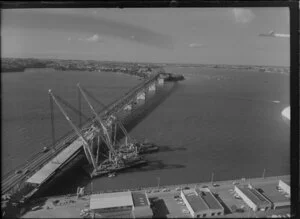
(172, 35)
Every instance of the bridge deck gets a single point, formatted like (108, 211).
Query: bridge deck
(49, 169)
(46, 171)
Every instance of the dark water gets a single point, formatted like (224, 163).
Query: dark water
(221, 121)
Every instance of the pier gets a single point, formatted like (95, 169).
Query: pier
(44, 165)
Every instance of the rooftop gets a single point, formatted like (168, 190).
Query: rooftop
(111, 200)
(210, 200)
(195, 201)
(254, 196)
(270, 191)
(139, 199)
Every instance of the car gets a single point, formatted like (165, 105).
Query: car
(178, 189)
(185, 188)
(235, 183)
(176, 196)
(166, 190)
(205, 186)
(215, 185)
(156, 191)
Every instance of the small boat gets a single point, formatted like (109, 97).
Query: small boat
(111, 175)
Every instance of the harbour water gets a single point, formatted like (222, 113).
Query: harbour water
(226, 122)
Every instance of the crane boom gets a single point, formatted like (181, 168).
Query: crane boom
(108, 140)
(87, 150)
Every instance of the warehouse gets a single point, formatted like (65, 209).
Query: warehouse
(201, 203)
(270, 192)
(285, 187)
(141, 205)
(253, 198)
(121, 204)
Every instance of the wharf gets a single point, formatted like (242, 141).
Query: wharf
(162, 199)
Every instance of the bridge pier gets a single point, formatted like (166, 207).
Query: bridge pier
(128, 107)
(160, 81)
(152, 87)
(141, 96)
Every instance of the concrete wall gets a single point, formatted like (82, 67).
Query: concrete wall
(142, 212)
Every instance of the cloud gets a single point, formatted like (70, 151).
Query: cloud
(195, 45)
(69, 38)
(242, 15)
(93, 39)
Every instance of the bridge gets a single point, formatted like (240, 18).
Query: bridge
(44, 165)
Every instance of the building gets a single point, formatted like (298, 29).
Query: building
(141, 205)
(255, 200)
(201, 203)
(285, 187)
(277, 199)
(121, 205)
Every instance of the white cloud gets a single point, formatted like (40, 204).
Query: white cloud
(93, 39)
(69, 38)
(195, 45)
(242, 15)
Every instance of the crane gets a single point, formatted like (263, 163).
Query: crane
(107, 140)
(118, 122)
(86, 146)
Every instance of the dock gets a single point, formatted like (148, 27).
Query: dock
(166, 201)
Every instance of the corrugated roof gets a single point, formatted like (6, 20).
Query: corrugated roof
(211, 201)
(254, 196)
(195, 201)
(139, 199)
(111, 200)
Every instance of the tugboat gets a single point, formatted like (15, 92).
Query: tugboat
(146, 147)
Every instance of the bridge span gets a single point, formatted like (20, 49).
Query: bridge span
(43, 166)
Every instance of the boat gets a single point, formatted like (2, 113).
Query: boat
(146, 147)
(112, 168)
(111, 175)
